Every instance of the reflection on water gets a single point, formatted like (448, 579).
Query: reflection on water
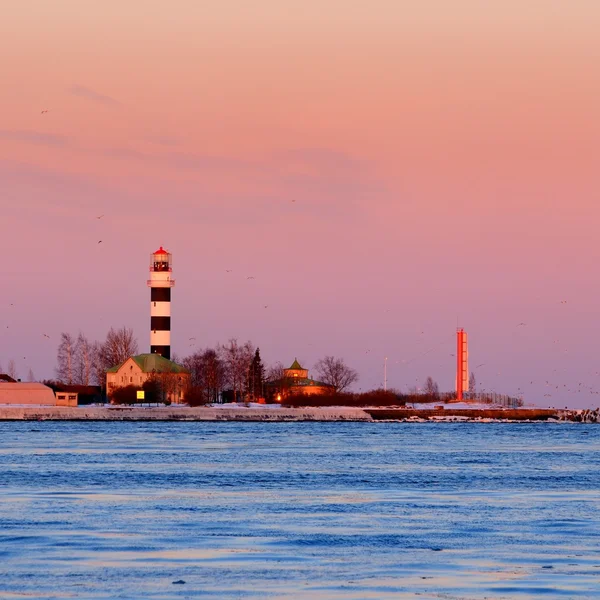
(299, 510)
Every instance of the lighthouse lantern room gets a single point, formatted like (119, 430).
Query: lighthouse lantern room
(160, 284)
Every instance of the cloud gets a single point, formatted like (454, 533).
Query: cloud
(162, 140)
(321, 159)
(89, 94)
(182, 160)
(33, 137)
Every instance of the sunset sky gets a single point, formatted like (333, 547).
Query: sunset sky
(384, 169)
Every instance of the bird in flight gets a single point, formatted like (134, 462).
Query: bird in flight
(99, 241)
(99, 217)
(46, 335)
(192, 338)
(519, 324)
(227, 270)
(249, 277)
(44, 111)
(266, 306)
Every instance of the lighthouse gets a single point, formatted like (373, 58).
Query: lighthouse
(160, 284)
(462, 363)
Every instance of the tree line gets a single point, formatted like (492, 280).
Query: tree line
(13, 373)
(80, 361)
(233, 371)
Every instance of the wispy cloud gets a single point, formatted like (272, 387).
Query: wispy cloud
(320, 158)
(162, 140)
(182, 160)
(89, 94)
(33, 137)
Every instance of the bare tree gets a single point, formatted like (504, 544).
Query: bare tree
(11, 370)
(65, 358)
(84, 361)
(431, 388)
(98, 368)
(207, 374)
(120, 344)
(336, 373)
(236, 360)
(472, 383)
(275, 372)
(214, 374)
(30, 376)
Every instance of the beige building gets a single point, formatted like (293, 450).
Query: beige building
(36, 394)
(174, 379)
(66, 398)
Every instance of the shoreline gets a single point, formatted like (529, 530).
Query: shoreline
(283, 414)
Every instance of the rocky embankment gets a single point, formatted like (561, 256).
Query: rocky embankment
(587, 415)
(464, 414)
(127, 413)
(280, 413)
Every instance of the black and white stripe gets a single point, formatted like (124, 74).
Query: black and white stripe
(160, 303)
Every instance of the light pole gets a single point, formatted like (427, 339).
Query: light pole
(385, 375)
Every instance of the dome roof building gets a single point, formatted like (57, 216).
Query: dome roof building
(295, 381)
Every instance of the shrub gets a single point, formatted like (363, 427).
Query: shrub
(125, 395)
(195, 396)
(372, 398)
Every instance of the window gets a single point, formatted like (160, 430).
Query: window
(131, 380)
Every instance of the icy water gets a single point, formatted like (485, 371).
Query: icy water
(299, 510)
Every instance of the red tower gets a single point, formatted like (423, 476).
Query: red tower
(462, 363)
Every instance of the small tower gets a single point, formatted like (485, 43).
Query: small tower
(160, 284)
(462, 363)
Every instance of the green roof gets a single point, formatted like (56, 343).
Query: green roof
(296, 366)
(149, 363)
(305, 381)
(297, 381)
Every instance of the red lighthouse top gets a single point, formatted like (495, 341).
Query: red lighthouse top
(160, 260)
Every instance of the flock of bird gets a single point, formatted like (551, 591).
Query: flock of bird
(579, 388)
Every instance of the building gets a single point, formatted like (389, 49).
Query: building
(160, 284)
(84, 394)
(295, 381)
(36, 394)
(172, 379)
(67, 398)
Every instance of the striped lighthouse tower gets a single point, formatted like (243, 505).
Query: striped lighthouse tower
(160, 284)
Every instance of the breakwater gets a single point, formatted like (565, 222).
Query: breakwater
(126, 413)
(511, 414)
(277, 413)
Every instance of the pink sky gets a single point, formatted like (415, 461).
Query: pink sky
(381, 168)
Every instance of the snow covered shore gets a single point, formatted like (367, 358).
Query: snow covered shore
(280, 413)
(126, 413)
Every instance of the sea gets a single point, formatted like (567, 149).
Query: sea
(299, 510)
